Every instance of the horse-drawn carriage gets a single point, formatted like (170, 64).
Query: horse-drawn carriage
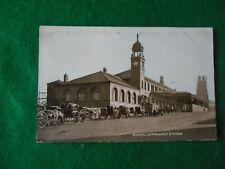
(74, 112)
(123, 112)
(68, 112)
(103, 113)
(49, 116)
(94, 113)
(156, 110)
(109, 112)
(113, 112)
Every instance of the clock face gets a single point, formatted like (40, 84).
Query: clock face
(135, 63)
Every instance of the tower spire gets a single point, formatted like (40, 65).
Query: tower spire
(137, 64)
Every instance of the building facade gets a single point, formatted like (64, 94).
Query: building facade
(130, 88)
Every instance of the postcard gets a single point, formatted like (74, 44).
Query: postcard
(125, 84)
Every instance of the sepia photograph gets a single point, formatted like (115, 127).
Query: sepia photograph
(125, 84)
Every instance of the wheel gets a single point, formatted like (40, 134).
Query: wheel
(42, 119)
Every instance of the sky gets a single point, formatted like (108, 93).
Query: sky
(180, 55)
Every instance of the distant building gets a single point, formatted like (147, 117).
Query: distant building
(130, 88)
(201, 91)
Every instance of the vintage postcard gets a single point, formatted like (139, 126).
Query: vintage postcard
(101, 84)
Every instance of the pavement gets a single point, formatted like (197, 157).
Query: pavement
(173, 126)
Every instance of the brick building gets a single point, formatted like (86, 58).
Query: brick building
(129, 88)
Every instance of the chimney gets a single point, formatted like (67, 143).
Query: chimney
(161, 80)
(104, 70)
(65, 77)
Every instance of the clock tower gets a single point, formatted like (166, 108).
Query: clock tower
(137, 65)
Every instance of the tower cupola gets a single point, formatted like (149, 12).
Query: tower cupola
(137, 48)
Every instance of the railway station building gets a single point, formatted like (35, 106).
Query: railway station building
(130, 88)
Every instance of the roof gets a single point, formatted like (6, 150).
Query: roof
(56, 82)
(137, 46)
(127, 75)
(157, 83)
(99, 77)
(124, 75)
(106, 77)
(173, 93)
(179, 97)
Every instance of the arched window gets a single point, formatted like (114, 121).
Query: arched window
(142, 84)
(122, 96)
(128, 97)
(152, 88)
(148, 87)
(134, 98)
(115, 94)
(81, 95)
(96, 94)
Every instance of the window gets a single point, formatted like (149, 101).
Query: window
(122, 96)
(115, 94)
(95, 94)
(128, 97)
(134, 98)
(145, 85)
(152, 88)
(148, 86)
(142, 84)
(81, 95)
(67, 96)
